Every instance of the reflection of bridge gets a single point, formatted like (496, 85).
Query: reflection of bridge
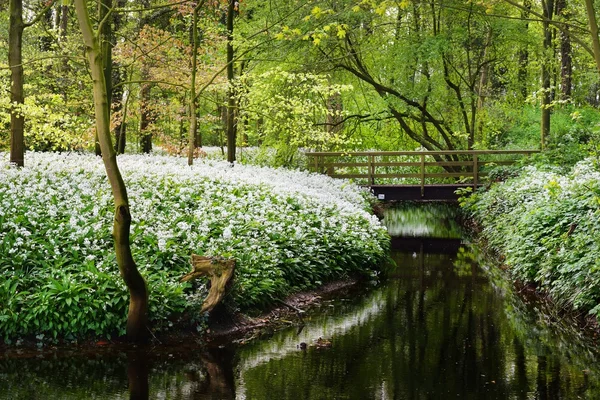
(414, 175)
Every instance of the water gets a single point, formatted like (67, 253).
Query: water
(443, 326)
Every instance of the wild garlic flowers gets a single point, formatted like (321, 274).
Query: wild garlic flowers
(287, 230)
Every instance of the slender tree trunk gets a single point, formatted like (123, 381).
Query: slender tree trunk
(192, 105)
(104, 37)
(117, 80)
(62, 15)
(524, 54)
(138, 304)
(17, 97)
(122, 134)
(46, 39)
(482, 92)
(64, 21)
(231, 125)
(566, 53)
(591, 14)
(335, 107)
(145, 114)
(548, 12)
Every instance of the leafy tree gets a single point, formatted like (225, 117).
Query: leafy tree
(15, 61)
(288, 111)
(431, 65)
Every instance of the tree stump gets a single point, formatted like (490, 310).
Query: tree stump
(219, 270)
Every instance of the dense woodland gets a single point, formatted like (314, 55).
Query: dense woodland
(323, 75)
(177, 77)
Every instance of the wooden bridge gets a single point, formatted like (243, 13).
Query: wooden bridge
(415, 175)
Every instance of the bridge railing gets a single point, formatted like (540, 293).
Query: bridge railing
(413, 167)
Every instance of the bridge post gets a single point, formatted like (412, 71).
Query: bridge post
(422, 175)
(371, 169)
(475, 171)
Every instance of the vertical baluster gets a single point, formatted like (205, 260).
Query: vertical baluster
(422, 175)
(475, 171)
(371, 169)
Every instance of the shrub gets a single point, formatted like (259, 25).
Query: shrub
(546, 225)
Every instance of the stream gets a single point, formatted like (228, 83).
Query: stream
(445, 323)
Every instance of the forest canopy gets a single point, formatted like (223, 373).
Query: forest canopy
(320, 75)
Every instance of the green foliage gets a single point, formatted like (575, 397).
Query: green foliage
(288, 111)
(287, 231)
(50, 125)
(573, 136)
(546, 225)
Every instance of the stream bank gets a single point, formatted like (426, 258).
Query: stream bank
(445, 324)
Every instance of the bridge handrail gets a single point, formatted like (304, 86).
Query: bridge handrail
(472, 164)
(416, 153)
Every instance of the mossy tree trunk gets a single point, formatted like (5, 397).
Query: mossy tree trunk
(591, 14)
(104, 40)
(192, 105)
(548, 12)
(138, 303)
(231, 123)
(15, 61)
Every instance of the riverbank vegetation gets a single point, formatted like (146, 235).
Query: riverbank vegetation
(287, 231)
(279, 77)
(544, 222)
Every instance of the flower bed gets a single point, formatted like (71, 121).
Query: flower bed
(288, 230)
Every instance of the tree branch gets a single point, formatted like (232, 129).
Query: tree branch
(39, 15)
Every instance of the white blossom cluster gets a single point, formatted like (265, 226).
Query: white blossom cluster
(545, 224)
(286, 229)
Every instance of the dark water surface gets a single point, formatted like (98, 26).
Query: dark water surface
(443, 326)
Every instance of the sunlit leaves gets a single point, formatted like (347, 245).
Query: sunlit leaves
(49, 123)
(292, 108)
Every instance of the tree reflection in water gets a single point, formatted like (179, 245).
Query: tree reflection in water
(445, 325)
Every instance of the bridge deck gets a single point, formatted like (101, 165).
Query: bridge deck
(418, 192)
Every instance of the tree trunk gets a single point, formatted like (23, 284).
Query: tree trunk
(219, 270)
(566, 57)
(117, 82)
(591, 14)
(64, 21)
(138, 303)
(524, 54)
(104, 7)
(62, 16)
(548, 12)
(231, 125)
(145, 114)
(193, 119)
(45, 39)
(17, 98)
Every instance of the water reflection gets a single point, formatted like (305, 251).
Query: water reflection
(443, 326)
(138, 374)
(423, 220)
(439, 330)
